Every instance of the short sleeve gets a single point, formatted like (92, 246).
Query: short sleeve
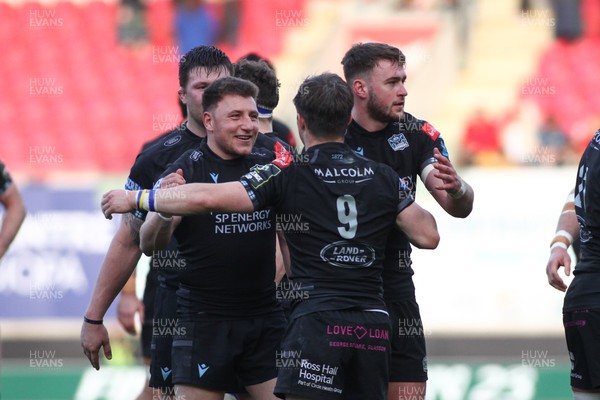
(265, 185)
(429, 140)
(405, 197)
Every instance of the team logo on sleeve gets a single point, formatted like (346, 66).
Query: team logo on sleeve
(430, 131)
(398, 142)
(172, 141)
(260, 174)
(195, 155)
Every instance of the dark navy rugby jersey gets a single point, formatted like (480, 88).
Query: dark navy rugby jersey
(584, 290)
(155, 158)
(272, 135)
(149, 165)
(229, 257)
(5, 179)
(407, 147)
(162, 136)
(336, 211)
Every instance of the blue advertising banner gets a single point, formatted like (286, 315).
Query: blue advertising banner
(51, 267)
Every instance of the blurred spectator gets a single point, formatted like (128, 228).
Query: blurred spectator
(526, 6)
(481, 144)
(580, 133)
(231, 22)
(518, 137)
(554, 141)
(132, 31)
(569, 25)
(195, 24)
(462, 11)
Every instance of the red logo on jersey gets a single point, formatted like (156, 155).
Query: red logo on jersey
(283, 157)
(430, 130)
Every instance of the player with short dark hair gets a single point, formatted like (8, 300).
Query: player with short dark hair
(259, 73)
(278, 128)
(382, 131)
(263, 76)
(337, 345)
(228, 323)
(198, 68)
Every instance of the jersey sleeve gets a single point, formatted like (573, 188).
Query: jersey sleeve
(265, 184)
(405, 197)
(138, 180)
(186, 162)
(5, 178)
(429, 139)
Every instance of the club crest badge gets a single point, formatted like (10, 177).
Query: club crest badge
(398, 142)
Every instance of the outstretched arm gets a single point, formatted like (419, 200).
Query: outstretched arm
(157, 230)
(448, 188)
(419, 226)
(192, 198)
(567, 231)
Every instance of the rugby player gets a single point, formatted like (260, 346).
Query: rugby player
(382, 131)
(337, 343)
(197, 69)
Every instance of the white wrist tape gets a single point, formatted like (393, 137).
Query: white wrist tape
(558, 244)
(564, 234)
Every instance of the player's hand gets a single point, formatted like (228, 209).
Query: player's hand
(127, 307)
(92, 338)
(117, 202)
(173, 179)
(559, 257)
(445, 172)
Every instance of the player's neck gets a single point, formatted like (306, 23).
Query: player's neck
(362, 118)
(195, 128)
(310, 140)
(265, 125)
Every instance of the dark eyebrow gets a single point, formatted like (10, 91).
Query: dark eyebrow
(393, 79)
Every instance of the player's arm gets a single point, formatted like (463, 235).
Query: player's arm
(119, 263)
(447, 187)
(188, 199)
(156, 232)
(419, 226)
(567, 231)
(14, 215)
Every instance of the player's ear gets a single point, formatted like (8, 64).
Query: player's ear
(359, 88)
(181, 94)
(207, 120)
